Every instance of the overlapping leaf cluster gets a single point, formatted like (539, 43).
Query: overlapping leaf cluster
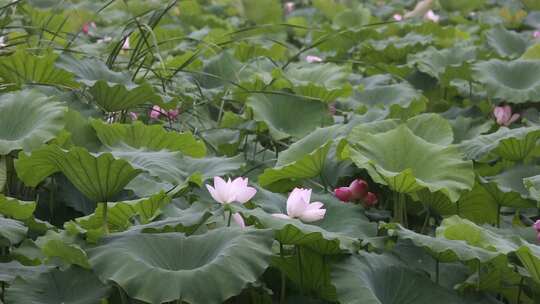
(114, 114)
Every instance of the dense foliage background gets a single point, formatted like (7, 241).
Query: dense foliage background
(415, 127)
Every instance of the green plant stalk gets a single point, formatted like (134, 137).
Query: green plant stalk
(437, 271)
(105, 218)
(520, 286)
(300, 272)
(229, 220)
(283, 279)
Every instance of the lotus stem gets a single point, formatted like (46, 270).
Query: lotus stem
(301, 275)
(519, 290)
(283, 279)
(229, 220)
(105, 218)
(437, 271)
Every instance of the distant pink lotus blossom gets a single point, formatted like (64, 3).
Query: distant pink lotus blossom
(397, 17)
(370, 199)
(157, 112)
(344, 194)
(430, 15)
(125, 46)
(536, 34)
(238, 219)
(298, 206)
(536, 226)
(503, 115)
(358, 188)
(226, 192)
(133, 115)
(87, 26)
(289, 7)
(312, 59)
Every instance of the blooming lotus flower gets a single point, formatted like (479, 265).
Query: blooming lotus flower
(298, 206)
(231, 191)
(172, 114)
(371, 199)
(430, 15)
(358, 188)
(397, 17)
(238, 219)
(536, 225)
(87, 26)
(503, 115)
(289, 7)
(156, 112)
(420, 9)
(536, 34)
(344, 194)
(312, 59)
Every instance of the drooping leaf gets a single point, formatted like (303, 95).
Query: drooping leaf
(21, 67)
(11, 270)
(72, 286)
(14, 208)
(98, 178)
(60, 245)
(11, 231)
(407, 163)
(27, 120)
(163, 267)
(89, 71)
(139, 135)
(506, 43)
(512, 81)
(280, 113)
(118, 97)
(512, 180)
(445, 64)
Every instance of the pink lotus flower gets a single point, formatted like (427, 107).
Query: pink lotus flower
(371, 199)
(289, 7)
(238, 219)
(133, 115)
(536, 34)
(312, 59)
(298, 206)
(430, 15)
(503, 115)
(358, 188)
(536, 225)
(87, 26)
(157, 112)
(231, 191)
(344, 194)
(397, 17)
(125, 46)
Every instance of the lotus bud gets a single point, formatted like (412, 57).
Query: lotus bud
(371, 199)
(359, 188)
(344, 194)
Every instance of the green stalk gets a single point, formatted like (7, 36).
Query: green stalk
(301, 275)
(437, 271)
(519, 290)
(229, 220)
(283, 279)
(105, 218)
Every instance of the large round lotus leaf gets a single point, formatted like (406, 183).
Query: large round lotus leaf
(407, 163)
(208, 268)
(397, 98)
(73, 286)
(281, 112)
(97, 177)
(119, 97)
(384, 279)
(461, 5)
(27, 120)
(533, 185)
(513, 179)
(446, 64)
(506, 43)
(515, 81)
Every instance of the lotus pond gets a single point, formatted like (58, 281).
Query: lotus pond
(267, 151)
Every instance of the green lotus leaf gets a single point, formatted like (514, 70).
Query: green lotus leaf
(14, 208)
(465, 128)
(394, 49)
(60, 245)
(98, 177)
(515, 81)
(280, 113)
(463, 6)
(11, 231)
(326, 82)
(401, 99)
(207, 268)
(364, 278)
(121, 214)
(139, 135)
(42, 120)
(72, 286)
(407, 163)
(3, 173)
(512, 144)
(341, 229)
(529, 256)
(119, 97)
(89, 71)
(446, 64)
(512, 180)
(21, 67)
(533, 185)
(506, 43)
(309, 165)
(429, 126)
(187, 220)
(11, 270)
(272, 12)
(532, 53)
